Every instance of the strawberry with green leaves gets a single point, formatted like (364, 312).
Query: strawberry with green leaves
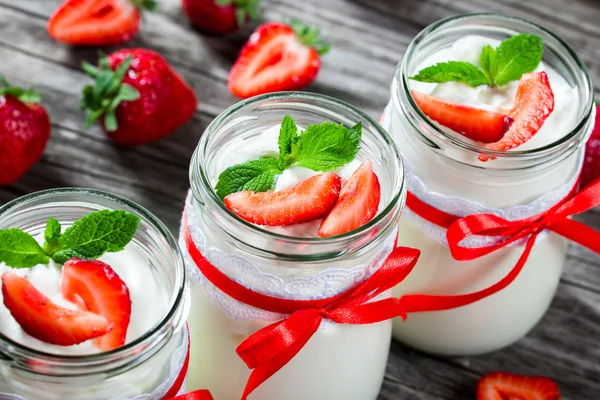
(514, 59)
(98, 22)
(24, 131)
(137, 97)
(103, 302)
(246, 188)
(221, 16)
(277, 57)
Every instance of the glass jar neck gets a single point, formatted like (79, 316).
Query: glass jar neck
(30, 214)
(557, 55)
(246, 120)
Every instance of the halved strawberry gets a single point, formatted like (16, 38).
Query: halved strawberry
(97, 22)
(533, 104)
(46, 321)
(474, 123)
(358, 203)
(505, 386)
(96, 285)
(277, 57)
(306, 201)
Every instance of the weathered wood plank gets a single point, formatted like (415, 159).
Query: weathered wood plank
(369, 38)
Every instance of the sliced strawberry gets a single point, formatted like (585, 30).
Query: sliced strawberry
(277, 57)
(591, 164)
(97, 22)
(103, 292)
(46, 321)
(533, 104)
(505, 386)
(358, 203)
(474, 123)
(306, 201)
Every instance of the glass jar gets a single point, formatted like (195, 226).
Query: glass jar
(340, 361)
(145, 368)
(445, 172)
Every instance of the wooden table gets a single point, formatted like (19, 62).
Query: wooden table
(369, 38)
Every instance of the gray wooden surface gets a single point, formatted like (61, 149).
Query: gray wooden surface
(369, 37)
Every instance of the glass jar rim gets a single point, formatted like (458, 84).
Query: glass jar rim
(401, 87)
(397, 193)
(176, 299)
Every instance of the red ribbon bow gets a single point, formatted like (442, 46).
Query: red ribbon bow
(555, 219)
(269, 349)
(196, 395)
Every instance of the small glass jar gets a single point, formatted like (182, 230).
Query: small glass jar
(145, 368)
(446, 173)
(339, 361)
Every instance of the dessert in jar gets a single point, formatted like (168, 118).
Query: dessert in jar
(94, 299)
(289, 227)
(491, 114)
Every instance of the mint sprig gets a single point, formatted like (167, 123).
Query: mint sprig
(321, 147)
(514, 57)
(89, 238)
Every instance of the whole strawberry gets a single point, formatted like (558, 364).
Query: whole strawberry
(277, 57)
(24, 131)
(97, 23)
(220, 16)
(137, 97)
(591, 164)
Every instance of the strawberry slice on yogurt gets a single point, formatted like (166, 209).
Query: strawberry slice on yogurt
(46, 321)
(475, 123)
(305, 201)
(533, 104)
(95, 285)
(358, 203)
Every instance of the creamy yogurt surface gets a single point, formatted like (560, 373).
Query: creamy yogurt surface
(265, 145)
(148, 298)
(500, 99)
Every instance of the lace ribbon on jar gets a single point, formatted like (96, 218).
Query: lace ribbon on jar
(324, 284)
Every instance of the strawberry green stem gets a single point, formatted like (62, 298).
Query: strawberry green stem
(25, 95)
(145, 5)
(102, 98)
(310, 36)
(244, 9)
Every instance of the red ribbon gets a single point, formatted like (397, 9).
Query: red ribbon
(178, 384)
(269, 349)
(556, 219)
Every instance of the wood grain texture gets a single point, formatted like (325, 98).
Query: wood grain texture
(369, 38)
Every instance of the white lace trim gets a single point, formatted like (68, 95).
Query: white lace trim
(176, 365)
(462, 207)
(327, 283)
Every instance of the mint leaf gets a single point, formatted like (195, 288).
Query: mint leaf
(516, 56)
(51, 235)
(256, 175)
(287, 136)
(326, 146)
(452, 71)
(488, 63)
(97, 233)
(20, 250)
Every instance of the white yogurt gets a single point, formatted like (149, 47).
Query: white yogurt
(500, 99)
(505, 317)
(148, 298)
